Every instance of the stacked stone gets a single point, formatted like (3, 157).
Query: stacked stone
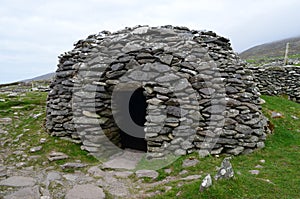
(199, 97)
(278, 80)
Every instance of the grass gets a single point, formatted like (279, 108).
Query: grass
(279, 177)
(264, 60)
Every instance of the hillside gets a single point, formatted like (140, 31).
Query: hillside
(46, 77)
(273, 49)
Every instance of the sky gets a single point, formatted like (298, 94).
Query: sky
(33, 33)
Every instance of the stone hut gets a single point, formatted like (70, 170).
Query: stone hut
(163, 90)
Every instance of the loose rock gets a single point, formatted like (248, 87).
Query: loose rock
(225, 171)
(206, 183)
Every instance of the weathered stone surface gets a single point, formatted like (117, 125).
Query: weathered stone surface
(123, 174)
(28, 193)
(167, 78)
(190, 162)
(225, 171)
(206, 183)
(73, 165)
(18, 181)
(143, 76)
(236, 150)
(88, 191)
(203, 153)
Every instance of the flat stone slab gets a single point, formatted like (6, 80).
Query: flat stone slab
(28, 193)
(72, 165)
(18, 181)
(87, 191)
(128, 160)
(146, 173)
(192, 177)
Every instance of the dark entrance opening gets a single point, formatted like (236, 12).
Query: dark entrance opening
(137, 110)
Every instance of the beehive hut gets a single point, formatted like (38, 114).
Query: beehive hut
(160, 90)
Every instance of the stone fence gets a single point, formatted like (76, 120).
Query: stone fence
(278, 80)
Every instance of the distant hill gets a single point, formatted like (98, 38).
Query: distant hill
(273, 49)
(46, 77)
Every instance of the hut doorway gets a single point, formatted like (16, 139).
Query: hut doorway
(137, 110)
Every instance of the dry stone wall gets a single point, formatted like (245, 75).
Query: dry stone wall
(278, 80)
(199, 95)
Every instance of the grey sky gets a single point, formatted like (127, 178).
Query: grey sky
(34, 32)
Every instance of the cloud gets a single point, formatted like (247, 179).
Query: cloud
(34, 32)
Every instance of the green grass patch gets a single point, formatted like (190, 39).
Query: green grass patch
(264, 60)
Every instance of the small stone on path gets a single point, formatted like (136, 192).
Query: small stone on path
(123, 174)
(35, 149)
(146, 173)
(53, 156)
(72, 165)
(127, 160)
(96, 171)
